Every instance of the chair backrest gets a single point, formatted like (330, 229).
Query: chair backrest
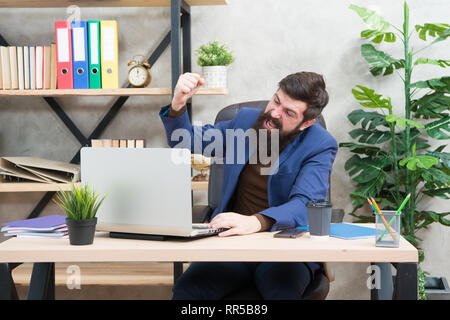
(216, 170)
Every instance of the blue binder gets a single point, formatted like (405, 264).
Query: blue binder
(80, 55)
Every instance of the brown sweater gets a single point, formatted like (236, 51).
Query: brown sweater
(250, 196)
(251, 192)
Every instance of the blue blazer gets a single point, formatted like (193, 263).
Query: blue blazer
(304, 165)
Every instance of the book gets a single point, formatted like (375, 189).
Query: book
(349, 231)
(47, 67)
(122, 143)
(140, 143)
(13, 67)
(53, 75)
(39, 67)
(32, 56)
(131, 143)
(53, 226)
(20, 68)
(48, 223)
(107, 143)
(1, 75)
(6, 69)
(115, 143)
(96, 143)
(26, 67)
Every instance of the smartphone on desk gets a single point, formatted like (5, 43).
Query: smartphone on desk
(289, 233)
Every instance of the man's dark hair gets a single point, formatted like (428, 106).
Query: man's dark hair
(308, 87)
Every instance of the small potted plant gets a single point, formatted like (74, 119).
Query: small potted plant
(80, 205)
(214, 59)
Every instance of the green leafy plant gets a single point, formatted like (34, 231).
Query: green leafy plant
(392, 154)
(421, 284)
(81, 203)
(214, 54)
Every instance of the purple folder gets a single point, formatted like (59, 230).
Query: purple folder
(48, 223)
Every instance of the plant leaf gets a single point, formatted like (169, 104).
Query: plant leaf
(433, 105)
(362, 148)
(440, 63)
(403, 121)
(370, 136)
(421, 161)
(371, 18)
(363, 170)
(369, 99)
(443, 156)
(437, 84)
(430, 217)
(437, 128)
(444, 35)
(370, 120)
(441, 193)
(435, 177)
(379, 61)
(378, 36)
(432, 29)
(415, 138)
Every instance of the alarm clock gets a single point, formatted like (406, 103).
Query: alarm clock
(139, 75)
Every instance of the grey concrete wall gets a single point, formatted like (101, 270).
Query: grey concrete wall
(270, 39)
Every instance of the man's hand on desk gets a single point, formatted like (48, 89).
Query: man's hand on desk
(239, 224)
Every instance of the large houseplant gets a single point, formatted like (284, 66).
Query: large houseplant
(214, 58)
(80, 205)
(393, 155)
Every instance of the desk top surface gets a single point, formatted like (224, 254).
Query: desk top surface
(255, 247)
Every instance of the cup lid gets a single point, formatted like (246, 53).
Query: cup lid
(319, 204)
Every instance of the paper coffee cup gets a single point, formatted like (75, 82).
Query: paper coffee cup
(319, 218)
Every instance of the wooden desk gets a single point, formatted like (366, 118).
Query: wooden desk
(255, 247)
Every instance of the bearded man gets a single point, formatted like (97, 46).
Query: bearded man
(256, 195)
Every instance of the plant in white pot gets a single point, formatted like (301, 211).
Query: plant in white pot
(81, 205)
(214, 58)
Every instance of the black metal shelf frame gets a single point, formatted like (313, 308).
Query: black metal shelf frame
(179, 38)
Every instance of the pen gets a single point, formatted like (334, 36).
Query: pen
(384, 221)
(397, 213)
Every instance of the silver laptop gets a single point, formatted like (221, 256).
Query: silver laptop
(148, 191)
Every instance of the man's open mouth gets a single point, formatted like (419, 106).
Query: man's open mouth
(269, 125)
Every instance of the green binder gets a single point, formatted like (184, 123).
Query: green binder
(95, 75)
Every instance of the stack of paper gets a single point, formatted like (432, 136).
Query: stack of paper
(49, 227)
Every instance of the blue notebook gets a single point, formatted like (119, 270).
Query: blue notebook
(48, 223)
(349, 231)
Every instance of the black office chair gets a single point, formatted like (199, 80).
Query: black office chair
(319, 287)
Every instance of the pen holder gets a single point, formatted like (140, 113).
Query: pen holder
(387, 226)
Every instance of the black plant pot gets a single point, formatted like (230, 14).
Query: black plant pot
(81, 232)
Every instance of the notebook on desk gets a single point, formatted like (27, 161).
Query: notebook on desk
(349, 231)
(148, 192)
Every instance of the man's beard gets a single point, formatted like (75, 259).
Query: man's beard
(284, 138)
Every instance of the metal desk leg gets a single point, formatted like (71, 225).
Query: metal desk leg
(406, 286)
(386, 286)
(177, 271)
(7, 287)
(42, 284)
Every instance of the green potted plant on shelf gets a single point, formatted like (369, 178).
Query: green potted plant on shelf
(214, 58)
(80, 205)
(393, 154)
